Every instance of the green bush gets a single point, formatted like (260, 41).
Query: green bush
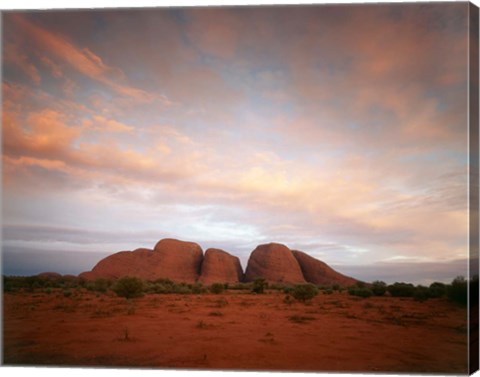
(360, 291)
(379, 288)
(437, 289)
(128, 287)
(259, 286)
(287, 289)
(217, 288)
(421, 293)
(198, 288)
(182, 289)
(401, 289)
(304, 292)
(101, 285)
(241, 287)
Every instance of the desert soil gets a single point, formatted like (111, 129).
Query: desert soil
(235, 330)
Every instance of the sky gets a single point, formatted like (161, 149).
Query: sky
(337, 130)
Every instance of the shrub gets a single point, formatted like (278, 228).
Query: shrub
(159, 288)
(401, 290)
(287, 289)
(300, 318)
(277, 286)
(360, 291)
(217, 288)
(198, 288)
(304, 292)
(259, 286)
(101, 285)
(421, 293)
(241, 286)
(182, 289)
(67, 293)
(437, 289)
(457, 290)
(360, 284)
(128, 287)
(379, 288)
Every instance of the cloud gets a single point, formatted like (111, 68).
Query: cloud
(81, 59)
(217, 38)
(337, 131)
(100, 123)
(14, 56)
(54, 67)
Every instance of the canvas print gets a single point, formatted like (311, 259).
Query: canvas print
(256, 188)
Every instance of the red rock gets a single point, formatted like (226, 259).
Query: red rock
(220, 267)
(171, 259)
(275, 263)
(140, 263)
(318, 272)
(179, 260)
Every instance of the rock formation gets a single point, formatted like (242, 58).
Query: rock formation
(318, 272)
(178, 260)
(273, 262)
(220, 267)
(183, 261)
(172, 259)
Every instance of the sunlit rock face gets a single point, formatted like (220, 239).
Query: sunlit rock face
(318, 272)
(220, 267)
(170, 259)
(183, 261)
(275, 263)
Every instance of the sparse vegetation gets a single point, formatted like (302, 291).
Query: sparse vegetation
(217, 288)
(437, 289)
(128, 287)
(379, 288)
(360, 291)
(201, 325)
(421, 293)
(300, 318)
(458, 290)
(401, 289)
(288, 299)
(259, 286)
(100, 285)
(304, 292)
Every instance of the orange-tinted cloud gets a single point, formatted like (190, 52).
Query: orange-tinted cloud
(310, 126)
(82, 59)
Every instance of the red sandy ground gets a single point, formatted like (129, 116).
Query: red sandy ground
(236, 330)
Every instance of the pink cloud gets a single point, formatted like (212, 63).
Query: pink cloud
(82, 59)
(215, 31)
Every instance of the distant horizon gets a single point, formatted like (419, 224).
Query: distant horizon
(76, 262)
(341, 131)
